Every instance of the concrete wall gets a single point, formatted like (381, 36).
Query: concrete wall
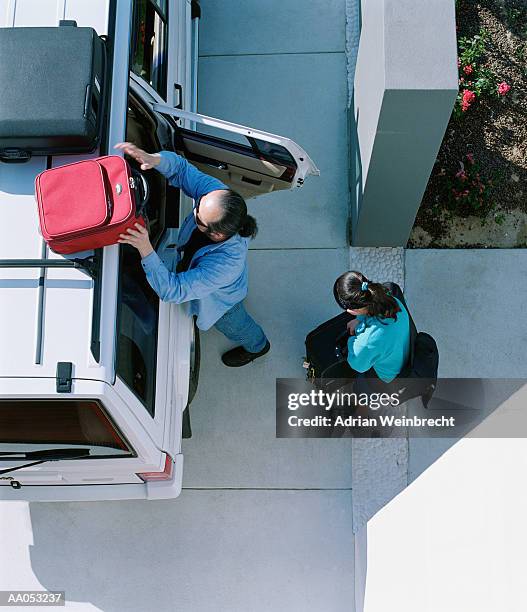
(405, 86)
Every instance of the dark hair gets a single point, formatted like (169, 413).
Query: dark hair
(350, 294)
(235, 219)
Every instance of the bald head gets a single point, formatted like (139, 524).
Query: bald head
(210, 207)
(222, 213)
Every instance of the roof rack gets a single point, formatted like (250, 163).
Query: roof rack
(92, 266)
(88, 265)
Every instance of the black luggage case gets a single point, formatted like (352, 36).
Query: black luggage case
(52, 91)
(323, 357)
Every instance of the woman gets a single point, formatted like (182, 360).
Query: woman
(379, 343)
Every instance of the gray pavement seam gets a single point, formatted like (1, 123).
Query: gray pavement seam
(264, 489)
(274, 53)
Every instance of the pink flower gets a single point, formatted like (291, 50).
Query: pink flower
(503, 88)
(458, 62)
(468, 69)
(461, 175)
(470, 158)
(461, 80)
(468, 98)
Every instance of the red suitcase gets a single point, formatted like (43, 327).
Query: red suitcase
(86, 205)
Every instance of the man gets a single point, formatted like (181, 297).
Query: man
(213, 240)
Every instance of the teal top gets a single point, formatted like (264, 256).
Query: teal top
(383, 344)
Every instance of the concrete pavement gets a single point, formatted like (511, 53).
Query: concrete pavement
(473, 302)
(206, 551)
(301, 248)
(233, 415)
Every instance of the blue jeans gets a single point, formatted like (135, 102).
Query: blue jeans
(241, 328)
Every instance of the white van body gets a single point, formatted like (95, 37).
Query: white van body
(130, 353)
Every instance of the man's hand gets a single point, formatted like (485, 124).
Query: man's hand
(139, 239)
(352, 326)
(147, 160)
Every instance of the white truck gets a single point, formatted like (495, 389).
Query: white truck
(95, 371)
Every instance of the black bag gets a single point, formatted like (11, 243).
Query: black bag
(419, 377)
(324, 359)
(52, 91)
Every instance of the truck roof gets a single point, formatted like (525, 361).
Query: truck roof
(46, 316)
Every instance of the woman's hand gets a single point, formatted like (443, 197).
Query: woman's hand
(139, 239)
(352, 325)
(147, 160)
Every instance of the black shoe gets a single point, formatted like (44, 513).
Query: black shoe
(238, 356)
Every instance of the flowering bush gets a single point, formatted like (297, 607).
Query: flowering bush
(466, 100)
(475, 81)
(503, 88)
(479, 177)
(466, 191)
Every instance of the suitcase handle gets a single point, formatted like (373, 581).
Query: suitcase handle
(145, 196)
(14, 156)
(87, 100)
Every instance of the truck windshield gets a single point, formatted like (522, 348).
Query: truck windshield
(29, 425)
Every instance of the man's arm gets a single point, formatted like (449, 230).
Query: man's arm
(176, 169)
(186, 176)
(212, 273)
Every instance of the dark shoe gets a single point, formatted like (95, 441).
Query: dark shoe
(238, 356)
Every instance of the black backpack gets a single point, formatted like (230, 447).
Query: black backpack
(419, 376)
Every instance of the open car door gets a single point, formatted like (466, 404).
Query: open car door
(249, 161)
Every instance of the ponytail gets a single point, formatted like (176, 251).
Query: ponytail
(354, 291)
(235, 219)
(249, 229)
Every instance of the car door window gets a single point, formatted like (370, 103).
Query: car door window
(137, 328)
(248, 160)
(248, 165)
(149, 44)
(141, 129)
(138, 304)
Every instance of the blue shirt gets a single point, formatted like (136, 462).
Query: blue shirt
(216, 279)
(383, 344)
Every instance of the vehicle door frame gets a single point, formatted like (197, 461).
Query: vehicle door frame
(173, 346)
